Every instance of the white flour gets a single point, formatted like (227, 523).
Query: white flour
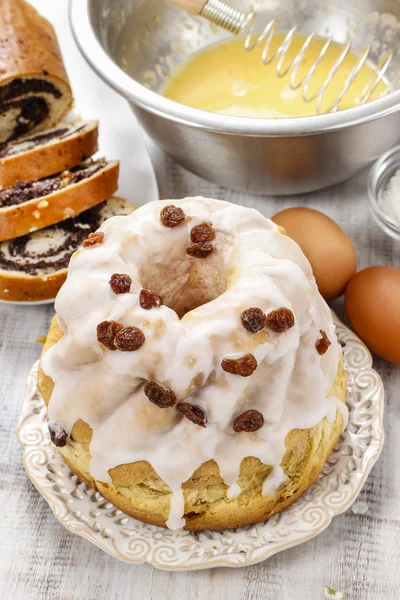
(390, 199)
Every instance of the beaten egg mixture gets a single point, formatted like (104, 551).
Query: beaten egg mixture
(227, 79)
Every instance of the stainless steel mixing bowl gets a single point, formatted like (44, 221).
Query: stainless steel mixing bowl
(132, 44)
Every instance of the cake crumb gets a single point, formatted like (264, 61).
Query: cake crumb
(42, 339)
(360, 508)
(68, 213)
(65, 182)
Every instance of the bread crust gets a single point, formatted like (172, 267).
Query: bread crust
(21, 287)
(29, 44)
(29, 48)
(16, 287)
(70, 201)
(54, 157)
(137, 490)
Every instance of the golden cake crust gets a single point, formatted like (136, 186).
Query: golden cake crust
(30, 44)
(137, 490)
(20, 219)
(47, 159)
(29, 49)
(18, 286)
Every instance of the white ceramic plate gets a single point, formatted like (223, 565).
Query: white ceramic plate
(87, 513)
(27, 303)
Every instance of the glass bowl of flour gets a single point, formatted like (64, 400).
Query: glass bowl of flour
(384, 192)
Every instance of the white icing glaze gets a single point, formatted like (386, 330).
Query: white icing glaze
(262, 268)
(274, 480)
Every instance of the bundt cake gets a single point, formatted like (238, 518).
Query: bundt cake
(192, 373)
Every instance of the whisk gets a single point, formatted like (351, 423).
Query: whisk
(238, 22)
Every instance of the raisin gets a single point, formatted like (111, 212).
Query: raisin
(201, 250)
(201, 233)
(120, 283)
(280, 319)
(323, 343)
(148, 299)
(58, 435)
(171, 216)
(93, 239)
(244, 366)
(160, 396)
(106, 332)
(129, 339)
(253, 319)
(193, 413)
(251, 420)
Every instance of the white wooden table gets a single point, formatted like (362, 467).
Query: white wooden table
(359, 555)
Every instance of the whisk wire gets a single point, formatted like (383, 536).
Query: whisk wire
(374, 81)
(320, 93)
(225, 16)
(238, 22)
(309, 76)
(350, 79)
(253, 42)
(298, 62)
(283, 53)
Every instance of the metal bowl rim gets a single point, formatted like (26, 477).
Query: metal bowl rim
(153, 102)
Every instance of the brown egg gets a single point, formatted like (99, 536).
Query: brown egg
(325, 244)
(373, 308)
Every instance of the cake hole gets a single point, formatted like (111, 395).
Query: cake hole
(184, 285)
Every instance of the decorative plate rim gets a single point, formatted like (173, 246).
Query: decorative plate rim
(86, 513)
(28, 302)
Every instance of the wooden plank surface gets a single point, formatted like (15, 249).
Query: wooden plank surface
(357, 554)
